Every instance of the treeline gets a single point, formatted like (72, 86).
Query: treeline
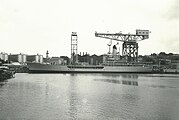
(162, 58)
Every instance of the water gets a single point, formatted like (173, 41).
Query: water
(90, 96)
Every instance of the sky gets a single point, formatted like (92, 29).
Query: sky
(35, 26)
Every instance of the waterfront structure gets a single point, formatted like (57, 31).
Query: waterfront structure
(35, 58)
(57, 61)
(66, 60)
(96, 60)
(21, 58)
(90, 60)
(174, 67)
(175, 64)
(3, 56)
(6, 73)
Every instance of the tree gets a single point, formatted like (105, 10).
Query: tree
(162, 54)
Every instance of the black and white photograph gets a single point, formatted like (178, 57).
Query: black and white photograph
(89, 59)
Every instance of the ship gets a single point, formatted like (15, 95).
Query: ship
(112, 62)
(49, 68)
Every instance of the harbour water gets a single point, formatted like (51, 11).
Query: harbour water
(90, 96)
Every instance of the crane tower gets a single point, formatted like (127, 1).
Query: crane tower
(74, 48)
(130, 45)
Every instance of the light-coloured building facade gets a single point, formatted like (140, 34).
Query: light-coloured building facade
(3, 56)
(57, 61)
(21, 58)
(35, 58)
(175, 63)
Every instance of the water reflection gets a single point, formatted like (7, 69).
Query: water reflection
(109, 80)
(162, 76)
(122, 75)
(89, 96)
(134, 83)
(131, 76)
(124, 82)
(3, 83)
(73, 97)
(161, 86)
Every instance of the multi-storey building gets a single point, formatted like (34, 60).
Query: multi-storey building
(57, 60)
(21, 58)
(35, 58)
(3, 56)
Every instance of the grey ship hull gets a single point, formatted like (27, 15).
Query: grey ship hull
(46, 68)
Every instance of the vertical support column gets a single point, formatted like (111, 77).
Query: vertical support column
(130, 51)
(74, 48)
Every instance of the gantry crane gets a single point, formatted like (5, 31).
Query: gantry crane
(130, 45)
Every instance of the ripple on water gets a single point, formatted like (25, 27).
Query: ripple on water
(90, 96)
